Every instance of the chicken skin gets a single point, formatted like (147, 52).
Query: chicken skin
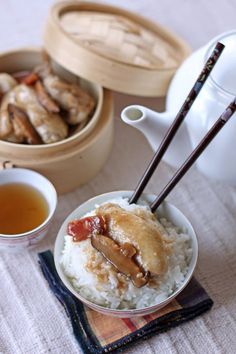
(6, 127)
(69, 96)
(50, 126)
(7, 82)
(139, 230)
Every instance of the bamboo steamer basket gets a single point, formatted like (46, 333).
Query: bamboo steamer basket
(116, 48)
(113, 49)
(72, 161)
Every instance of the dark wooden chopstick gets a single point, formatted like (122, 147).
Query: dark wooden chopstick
(177, 121)
(225, 116)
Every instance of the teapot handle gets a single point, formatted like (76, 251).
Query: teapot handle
(154, 126)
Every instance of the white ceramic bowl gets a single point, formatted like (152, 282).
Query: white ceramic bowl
(18, 242)
(166, 210)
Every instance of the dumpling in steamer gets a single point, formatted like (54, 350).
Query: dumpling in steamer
(6, 128)
(50, 126)
(78, 103)
(141, 231)
(22, 126)
(7, 82)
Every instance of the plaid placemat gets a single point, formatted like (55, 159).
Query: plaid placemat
(97, 333)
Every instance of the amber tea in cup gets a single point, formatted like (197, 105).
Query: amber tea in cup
(28, 202)
(23, 208)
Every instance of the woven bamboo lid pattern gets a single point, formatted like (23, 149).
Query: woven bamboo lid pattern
(111, 46)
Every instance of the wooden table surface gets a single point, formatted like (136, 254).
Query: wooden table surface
(32, 321)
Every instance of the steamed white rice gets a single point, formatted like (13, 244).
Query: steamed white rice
(105, 289)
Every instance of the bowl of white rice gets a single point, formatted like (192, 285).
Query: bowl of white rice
(99, 285)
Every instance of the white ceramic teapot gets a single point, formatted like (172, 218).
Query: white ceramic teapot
(219, 159)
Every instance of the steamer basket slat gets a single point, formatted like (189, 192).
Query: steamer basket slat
(113, 47)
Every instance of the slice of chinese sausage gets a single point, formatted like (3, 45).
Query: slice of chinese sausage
(124, 226)
(82, 229)
(121, 257)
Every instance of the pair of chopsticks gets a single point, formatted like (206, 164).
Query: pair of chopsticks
(225, 116)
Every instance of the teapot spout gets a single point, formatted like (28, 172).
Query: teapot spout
(154, 126)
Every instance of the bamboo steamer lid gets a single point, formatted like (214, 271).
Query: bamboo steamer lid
(113, 47)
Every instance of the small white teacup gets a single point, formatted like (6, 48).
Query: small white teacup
(19, 241)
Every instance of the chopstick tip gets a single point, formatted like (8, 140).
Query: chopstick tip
(220, 46)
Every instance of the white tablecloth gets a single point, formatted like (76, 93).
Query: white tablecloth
(32, 320)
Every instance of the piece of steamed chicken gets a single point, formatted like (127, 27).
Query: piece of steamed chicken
(139, 230)
(50, 126)
(6, 127)
(22, 126)
(7, 82)
(78, 103)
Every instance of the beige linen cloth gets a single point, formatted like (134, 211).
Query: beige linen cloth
(32, 320)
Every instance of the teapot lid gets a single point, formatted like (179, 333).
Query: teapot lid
(224, 73)
(113, 47)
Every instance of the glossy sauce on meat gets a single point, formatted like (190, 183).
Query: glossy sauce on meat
(132, 242)
(124, 226)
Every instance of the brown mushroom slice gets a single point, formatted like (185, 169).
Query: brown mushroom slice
(124, 226)
(121, 256)
(44, 98)
(22, 126)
